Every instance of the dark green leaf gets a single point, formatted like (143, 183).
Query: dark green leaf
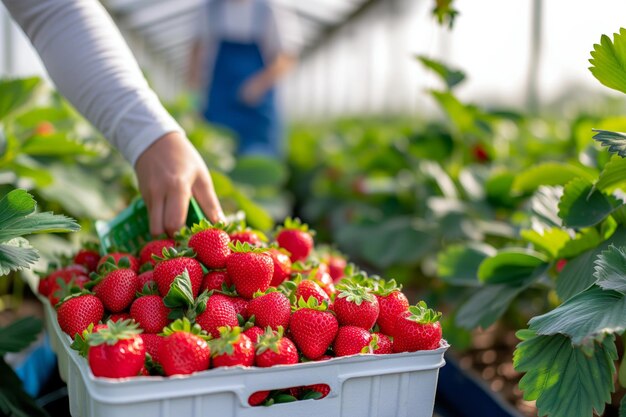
(548, 173)
(14, 401)
(615, 141)
(459, 263)
(312, 395)
(610, 269)
(284, 398)
(562, 379)
(582, 206)
(585, 317)
(16, 93)
(577, 275)
(511, 265)
(486, 305)
(622, 407)
(608, 62)
(19, 334)
(449, 76)
(180, 294)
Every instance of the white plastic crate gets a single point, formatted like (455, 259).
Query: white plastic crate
(397, 385)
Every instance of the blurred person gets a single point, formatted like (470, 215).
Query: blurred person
(241, 49)
(91, 65)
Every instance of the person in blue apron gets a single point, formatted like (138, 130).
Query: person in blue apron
(242, 49)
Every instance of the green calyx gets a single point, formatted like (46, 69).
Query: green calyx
(207, 225)
(181, 301)
(386, 287)
(372, 345)
(75, 292)
(184, 325)
(80, 343)
(356, 279)
(172, 253)
(269, 340)
(356, 294)
(311, 304)
(115, 331)
(245, 247)
(149, 288)
(420, 313)
(295, 224)
(225, 343)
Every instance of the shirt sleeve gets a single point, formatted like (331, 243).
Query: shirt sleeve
(283, 32)
(92, 66)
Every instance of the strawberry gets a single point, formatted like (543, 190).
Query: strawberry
(296, 238)
(392, 302)
(258, 398)
(76, 313)
(250, 269)
(150, 312)
(116, 351)
(275, 349)
(247, 235)
(232, 348)
(219, 312)
(271, 309)
(152, 342)
(154, 247)
(81, 343)
(418, 328)
(308, 288)
(254, 333)
(172, 264)
(241, 306)
(355, 306)
(560, 264)
(282, 266)
(210, 242)
(381, 344)
(336, 267)
(116, 285)
(61, 288)
(313, 328)
(115, 257)
(214, 280)
(323, 358)
(65, 273)
(88, 257)
(119, 317)
(184, 350)
(322, 389)
(480, 154)
(351, 340)
(326, 282)
(145, 278)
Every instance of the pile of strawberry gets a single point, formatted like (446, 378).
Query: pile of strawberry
(223, 295)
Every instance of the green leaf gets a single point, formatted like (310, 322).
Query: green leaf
(16, 254)
(312, 395)
(610, 269)
(511, 266)
(544, 205)
(586, 317)
(615, 141)
(548, 173)
(608, 62)
(486, 305)
(464, 117)
(259, 171)
(582, 206)
(459, 264)
(585, 239)
(551, 240)
(19, 334)
(14, 401)
(622, 407)
(56, 144)
(613, 175)
(562, 379)
(256, 216)
(449, 76)
(16, 93)
(180, 294)
(577, 275)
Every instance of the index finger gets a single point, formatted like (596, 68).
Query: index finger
(204, 193)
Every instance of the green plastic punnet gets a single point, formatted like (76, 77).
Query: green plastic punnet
(130, 229)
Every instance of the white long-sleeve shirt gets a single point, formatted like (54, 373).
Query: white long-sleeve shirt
(92, 66)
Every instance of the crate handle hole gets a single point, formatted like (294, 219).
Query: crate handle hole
(288, 395)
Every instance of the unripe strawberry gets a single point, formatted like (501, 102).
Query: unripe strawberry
(275, 349)
(418, 328)
(232, 348)
(210, 242)
(312, 328)
(116, 351)
(250, 269)
(154, 247)
(272, 309)
(184, 349)
(75, 314)
(150, 312)
(351, 340)
(296, 238)
(172, 264)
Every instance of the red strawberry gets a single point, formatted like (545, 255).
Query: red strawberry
(381, 344)
(418, 328)
(150, 312)
(313, 328)
(275, 349)
(258, 398)
(81, 343)
(323, 389)
(282, 266)
(50, 282)
(296, 238)
(115, 258)
(323, 358)
(119, 317)
(60, 289)
(240, 305)
(184, 349)
(232, 348)
(250, 269)
(87, 257)
(116, 286)
(219, 312)
(560, 264)
(75, 314)
(326, 282)
(172, 264)
(336, 267)
(116, 351)
(152, 342)
(392, 302)
(214, 280)
(247, 235)
(308, 288)
(145, 278)
(351, 340)
(154, 247)
(254, 333)
(210, 242)
(272, 309)
(355, 306)
(480, 154)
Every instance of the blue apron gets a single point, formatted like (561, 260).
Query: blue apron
(257, 127)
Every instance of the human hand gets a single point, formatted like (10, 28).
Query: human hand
(169, 172)
(253, 89)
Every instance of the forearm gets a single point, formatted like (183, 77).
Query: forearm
(91, 65)
(277, 69)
